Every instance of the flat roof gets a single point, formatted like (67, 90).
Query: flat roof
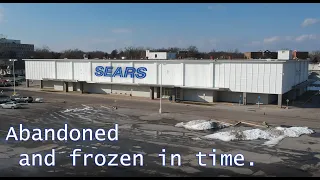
(173, 60)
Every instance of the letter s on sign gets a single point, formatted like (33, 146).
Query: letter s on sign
(141, 72)
(99, 71)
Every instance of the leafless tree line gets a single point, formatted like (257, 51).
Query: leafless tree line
(132, 53)
(191, 52)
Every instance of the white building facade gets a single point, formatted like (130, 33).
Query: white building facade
(160, 55)
(237, 81)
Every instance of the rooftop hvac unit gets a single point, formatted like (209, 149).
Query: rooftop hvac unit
(285, 55)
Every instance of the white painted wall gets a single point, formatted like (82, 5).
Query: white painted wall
(82, 71)
(64, 70)
(268, 77)
(170, 73)
(156, 55)
(255, 77)
(160, 55)
(192, 72)
(38, 70)
(285, 54)
(294, 72)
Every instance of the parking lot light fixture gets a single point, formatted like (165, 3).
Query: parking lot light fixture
(14, 76)
(160, 109)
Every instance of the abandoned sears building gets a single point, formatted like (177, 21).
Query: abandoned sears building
(244, 81)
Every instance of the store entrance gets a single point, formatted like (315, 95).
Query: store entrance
(166, 93)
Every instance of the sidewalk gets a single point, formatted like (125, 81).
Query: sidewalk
(303, 113)
(109, 96)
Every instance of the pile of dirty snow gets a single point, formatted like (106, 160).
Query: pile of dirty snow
(199, 125)
(273, 135)
(86, 108)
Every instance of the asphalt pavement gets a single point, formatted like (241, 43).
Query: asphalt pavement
(143, 131)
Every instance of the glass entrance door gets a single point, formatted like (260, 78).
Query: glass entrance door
(166, 92)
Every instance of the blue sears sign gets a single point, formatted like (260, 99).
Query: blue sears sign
(109, 71)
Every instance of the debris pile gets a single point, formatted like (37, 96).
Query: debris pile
(273, 135)
(200, 125)
(234, 132)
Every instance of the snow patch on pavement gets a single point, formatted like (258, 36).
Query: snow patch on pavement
(200, 125)
(86, 108)
(273, 135)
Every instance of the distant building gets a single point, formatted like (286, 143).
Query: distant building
(13, 49)
(300, 55)
(160, 55)
(285, 54)
(274, 55)
(253, 55)
(247, 55)
(261, 55)
(183, 54)
(10, 48)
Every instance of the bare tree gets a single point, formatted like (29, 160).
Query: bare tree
(134, 52)
(114, 54)
(193, 49)
(174, 49)
(129, 52)
(72, 54)
(96, 54)
(314, 56)
(121, 54)
(42, 53)
(56, 55)
(106, 55)
(192, 52)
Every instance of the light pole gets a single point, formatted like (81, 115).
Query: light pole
(14, 77)
(160, 109)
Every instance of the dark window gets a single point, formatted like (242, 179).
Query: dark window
(155, 55)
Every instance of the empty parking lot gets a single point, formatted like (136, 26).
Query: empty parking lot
(142, 130)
